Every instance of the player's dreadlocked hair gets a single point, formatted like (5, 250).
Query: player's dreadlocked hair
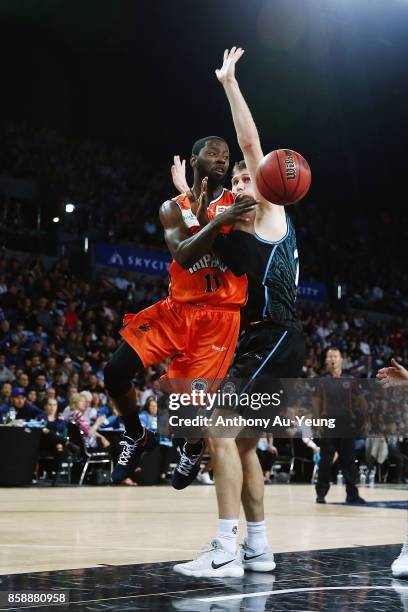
(200, 144)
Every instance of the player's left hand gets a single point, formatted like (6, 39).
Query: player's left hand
(178, 174)
(227, 71)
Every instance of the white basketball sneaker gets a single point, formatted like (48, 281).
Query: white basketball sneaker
(213, 562)
(204, 478)
(400, 566)
(257, 562)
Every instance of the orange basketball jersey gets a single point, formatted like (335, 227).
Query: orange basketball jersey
(208, 281)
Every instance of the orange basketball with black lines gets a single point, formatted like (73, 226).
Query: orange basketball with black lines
(283, 177)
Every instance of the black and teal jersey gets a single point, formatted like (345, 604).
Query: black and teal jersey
(272, 269)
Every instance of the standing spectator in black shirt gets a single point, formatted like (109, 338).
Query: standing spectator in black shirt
(338, 396)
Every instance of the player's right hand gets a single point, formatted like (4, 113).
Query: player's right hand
(227, 70)
(203, 202)
(393, 376)
(240, 211)
(178, 174)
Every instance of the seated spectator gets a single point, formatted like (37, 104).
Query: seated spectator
(67, 369)
(71, 316)
(84, 374)
(40, 386)
(5, 399)
(50, 367)
(5, 335)
(57, 381)
(43, 314)
(75, 413)
(74, 346)
(23, 381)
(13, 357)
(6, 374)
(148, 416)
(90, 413)
(94, 384)
(113, 420)
(24, 410)
(32, 398)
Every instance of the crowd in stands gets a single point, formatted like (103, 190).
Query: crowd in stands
(57, 333)
(57, 330)
(117, 194)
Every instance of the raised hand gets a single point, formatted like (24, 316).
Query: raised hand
(178, 174)
(203, 201)
(393, 376)
(227, 70)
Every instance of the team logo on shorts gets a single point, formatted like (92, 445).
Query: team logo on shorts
(144, 328)
(199, 384)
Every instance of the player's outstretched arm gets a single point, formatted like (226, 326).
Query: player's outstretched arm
(185, 249)
(393, 376)
(247, 133)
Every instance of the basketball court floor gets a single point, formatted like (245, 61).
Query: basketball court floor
(113, 549)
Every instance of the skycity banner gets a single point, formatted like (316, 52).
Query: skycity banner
(312, 291)
(154, 263)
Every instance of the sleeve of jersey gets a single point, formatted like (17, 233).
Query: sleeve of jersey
(227, 246)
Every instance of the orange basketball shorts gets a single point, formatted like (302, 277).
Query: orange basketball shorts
(199, 339)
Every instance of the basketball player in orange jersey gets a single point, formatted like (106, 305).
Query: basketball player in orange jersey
(197, 325)
(271, 347)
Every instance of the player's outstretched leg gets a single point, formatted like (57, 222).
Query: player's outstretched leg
(136, 440)
(188, 464)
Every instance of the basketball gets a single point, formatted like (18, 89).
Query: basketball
(283, 177)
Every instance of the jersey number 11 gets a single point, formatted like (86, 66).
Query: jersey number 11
(212, 283)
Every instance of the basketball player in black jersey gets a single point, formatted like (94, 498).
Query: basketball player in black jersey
(271, 347)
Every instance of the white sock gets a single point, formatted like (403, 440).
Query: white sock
(256, 538)
(227, 534)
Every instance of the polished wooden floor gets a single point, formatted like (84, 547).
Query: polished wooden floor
(66, 528)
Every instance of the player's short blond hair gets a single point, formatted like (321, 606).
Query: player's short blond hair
(239, 166)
